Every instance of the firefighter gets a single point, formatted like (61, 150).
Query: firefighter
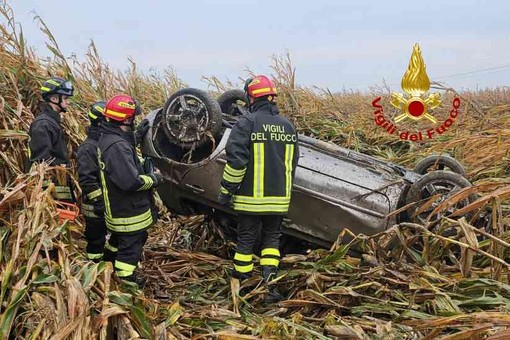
(129, 211)
(262, 154)
(47, 142)
(92, 196)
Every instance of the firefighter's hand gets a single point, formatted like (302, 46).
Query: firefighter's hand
(157, 177)
(141, 131)
(225, 199)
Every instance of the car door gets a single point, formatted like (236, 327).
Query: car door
(202, 181)
(333, 191)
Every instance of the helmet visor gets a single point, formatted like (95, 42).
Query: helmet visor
(67, 86)
(66, 89)
(138, 108)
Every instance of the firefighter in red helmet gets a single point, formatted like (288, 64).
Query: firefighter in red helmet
(128, 202)
(262, 154)
(92, 207)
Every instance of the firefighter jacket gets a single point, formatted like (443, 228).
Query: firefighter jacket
(262, 154)
(47, 141)
(89, 176)
(126, 189)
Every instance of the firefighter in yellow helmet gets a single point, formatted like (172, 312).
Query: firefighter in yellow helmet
(262, 154)
(47, 142)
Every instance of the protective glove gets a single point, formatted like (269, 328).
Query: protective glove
(148, 165)
(225, 199)
(157, 177)
(141, 131)
(99, 207)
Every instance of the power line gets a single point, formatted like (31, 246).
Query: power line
(489, 69)
(495, 68)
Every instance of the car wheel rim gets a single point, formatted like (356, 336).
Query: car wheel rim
(187, 119)
(444, 188)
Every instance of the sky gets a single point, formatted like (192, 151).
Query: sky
(339, 45)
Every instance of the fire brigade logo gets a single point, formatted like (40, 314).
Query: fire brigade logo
(414, 104)
(415, 83)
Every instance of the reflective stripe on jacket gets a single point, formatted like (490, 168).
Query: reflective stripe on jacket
(262, 154)
(127, 198)
(89, 175)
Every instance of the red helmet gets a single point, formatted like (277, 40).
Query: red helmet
(121, 107)
(259, 86)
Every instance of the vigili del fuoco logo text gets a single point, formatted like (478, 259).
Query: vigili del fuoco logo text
(414, 104)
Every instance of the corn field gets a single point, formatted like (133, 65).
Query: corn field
(451, 288)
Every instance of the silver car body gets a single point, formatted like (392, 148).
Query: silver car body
(334, 187)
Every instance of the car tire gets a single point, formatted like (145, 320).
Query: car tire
(438, 250)
(188, 115)
(229, 99)
(233, 104)
(443, 162)
(420, 190)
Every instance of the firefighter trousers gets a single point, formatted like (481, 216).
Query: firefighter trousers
(130, 248)
(99, 246)
(249, 228)
(95, 234)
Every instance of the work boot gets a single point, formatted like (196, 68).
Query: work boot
(269, 274)
(97, 260)
(242, 277)
(135, 279)
(109, 256)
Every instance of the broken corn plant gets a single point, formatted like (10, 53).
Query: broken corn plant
(445, 279)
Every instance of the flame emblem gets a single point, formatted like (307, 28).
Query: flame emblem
(415, 83)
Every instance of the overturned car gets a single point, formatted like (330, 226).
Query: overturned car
(334, 187)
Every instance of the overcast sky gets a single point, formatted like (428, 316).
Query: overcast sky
(335, 44)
